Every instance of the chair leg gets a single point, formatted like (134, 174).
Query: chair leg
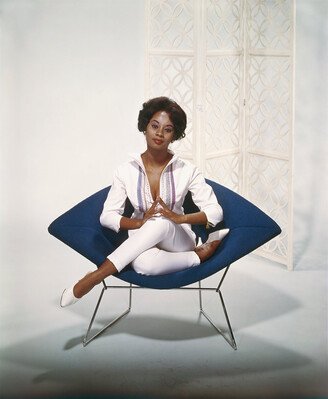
(230, 341)
(86, 339)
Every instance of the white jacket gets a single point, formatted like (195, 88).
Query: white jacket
(178, 177)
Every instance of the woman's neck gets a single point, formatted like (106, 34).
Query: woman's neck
(156, 158)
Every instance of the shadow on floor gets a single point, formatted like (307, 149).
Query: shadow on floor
(123, 364)
(248, 301)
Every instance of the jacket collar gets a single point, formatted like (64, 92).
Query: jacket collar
(137, 158)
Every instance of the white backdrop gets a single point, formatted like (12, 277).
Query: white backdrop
(311, 135)
(71, 88)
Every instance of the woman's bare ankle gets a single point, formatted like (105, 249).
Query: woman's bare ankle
(84, 285)
(90, 280)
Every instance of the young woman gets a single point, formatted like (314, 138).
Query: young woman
(156, 182)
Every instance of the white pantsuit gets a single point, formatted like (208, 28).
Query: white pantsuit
(160, 246)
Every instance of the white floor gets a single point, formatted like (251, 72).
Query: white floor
(162, 348)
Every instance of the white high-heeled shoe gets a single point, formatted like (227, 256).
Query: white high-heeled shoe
(68, 298)
(217, 235)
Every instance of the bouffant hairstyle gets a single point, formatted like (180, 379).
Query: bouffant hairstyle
(175, 112)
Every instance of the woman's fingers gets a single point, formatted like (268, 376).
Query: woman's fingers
(159, 207)
(150, 212)
(152, 209)
(153, 205)
(162, 203)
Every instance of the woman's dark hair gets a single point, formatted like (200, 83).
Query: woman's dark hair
(175, 112)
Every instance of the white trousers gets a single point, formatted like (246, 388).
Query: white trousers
(158, 247)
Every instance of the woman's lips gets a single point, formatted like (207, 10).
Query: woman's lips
(158, 141)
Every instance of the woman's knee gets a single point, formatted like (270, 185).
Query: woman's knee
(159, 224)
(145, 263)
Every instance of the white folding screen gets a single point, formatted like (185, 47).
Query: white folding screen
(230, 64)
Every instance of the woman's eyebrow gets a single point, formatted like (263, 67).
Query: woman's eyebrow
(154, 120)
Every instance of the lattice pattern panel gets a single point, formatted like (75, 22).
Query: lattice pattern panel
(172, 76)
(210, 55)
(223, 24)
(224, 170)
(171, 24)
(269, 24)
(269, 104)
(269, 116)
(223, 85)
(268, 182)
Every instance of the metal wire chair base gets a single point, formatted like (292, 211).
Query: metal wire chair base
(231, 340)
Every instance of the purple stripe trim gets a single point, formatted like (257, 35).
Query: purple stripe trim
(172, 187)
(139, 188)
(168, 196)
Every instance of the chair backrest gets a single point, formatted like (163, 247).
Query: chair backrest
(239, 212)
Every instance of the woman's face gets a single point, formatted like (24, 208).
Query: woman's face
(159, 131)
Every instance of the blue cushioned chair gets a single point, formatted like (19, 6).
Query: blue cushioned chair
(249, 227)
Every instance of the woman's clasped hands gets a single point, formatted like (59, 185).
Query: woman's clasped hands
(159, 208)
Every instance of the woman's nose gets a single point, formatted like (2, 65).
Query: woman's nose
(160, 132)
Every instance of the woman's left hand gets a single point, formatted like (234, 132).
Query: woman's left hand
(167, 213)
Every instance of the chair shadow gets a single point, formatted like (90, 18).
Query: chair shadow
(152, 327)
(212, 359)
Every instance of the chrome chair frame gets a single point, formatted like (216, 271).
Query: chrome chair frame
(231, 340)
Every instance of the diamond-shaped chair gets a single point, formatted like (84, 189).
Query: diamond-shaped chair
(249, 227)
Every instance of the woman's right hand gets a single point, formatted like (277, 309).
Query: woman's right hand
(150, 212)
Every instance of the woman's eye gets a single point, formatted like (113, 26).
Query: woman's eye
(168, 130)
(154, 126)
